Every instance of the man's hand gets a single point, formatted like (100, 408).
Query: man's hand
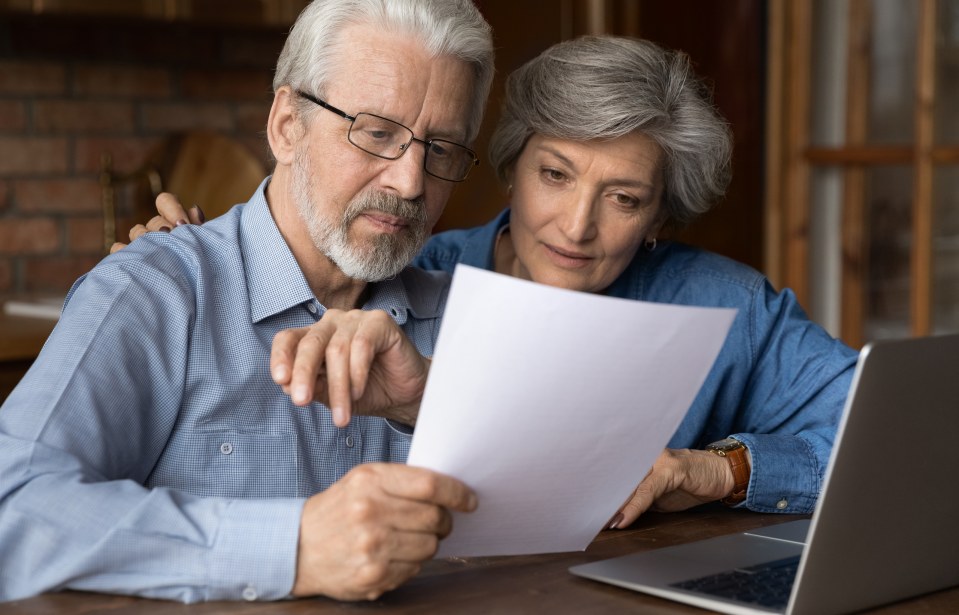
(679, 479)
(370, 531)
(357, 361)
(171, 214)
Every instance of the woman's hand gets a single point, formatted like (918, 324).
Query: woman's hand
(171, 214)
(679, 479)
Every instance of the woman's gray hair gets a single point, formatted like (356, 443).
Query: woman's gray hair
(445, 28)
(603, 87)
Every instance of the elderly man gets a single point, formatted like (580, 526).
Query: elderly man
(148, 450)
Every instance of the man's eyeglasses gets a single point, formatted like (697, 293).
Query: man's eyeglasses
(388, 139)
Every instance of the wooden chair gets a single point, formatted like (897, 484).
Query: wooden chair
(207, 169)
(200, 168)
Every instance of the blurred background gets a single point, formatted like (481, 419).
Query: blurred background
(846, 165)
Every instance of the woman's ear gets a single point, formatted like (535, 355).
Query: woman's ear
(508, 176)
(658, 226)
(283, 128)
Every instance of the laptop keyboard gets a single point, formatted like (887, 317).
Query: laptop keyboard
(768, 584)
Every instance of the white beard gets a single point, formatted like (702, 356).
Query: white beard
(381, 258)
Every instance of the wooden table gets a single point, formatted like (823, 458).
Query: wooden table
(21, 339)
(523, 584)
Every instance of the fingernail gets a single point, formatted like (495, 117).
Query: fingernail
(279, 373)
(181, 222)
(472, 502)
(339, 417)
(199, 214)
(615, 521)
(300, 395)
(165, 229)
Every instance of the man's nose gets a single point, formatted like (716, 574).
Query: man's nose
(406, 175)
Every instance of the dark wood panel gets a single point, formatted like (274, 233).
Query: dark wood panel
(726, 43)
(521, 30)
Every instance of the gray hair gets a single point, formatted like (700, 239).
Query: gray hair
(603, 87)
(445, 27)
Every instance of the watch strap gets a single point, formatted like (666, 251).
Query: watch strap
(739, 464)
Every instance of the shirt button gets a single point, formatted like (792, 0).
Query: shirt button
(311, 307)
(349, 441)
(226, 448)
(782, 504)
(249, 593)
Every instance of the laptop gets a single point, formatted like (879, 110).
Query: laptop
(885, 527)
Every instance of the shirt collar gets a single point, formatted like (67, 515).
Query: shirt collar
(391, 297)
(480, 248)
(632, 282)
(276, 283)
(273, 277)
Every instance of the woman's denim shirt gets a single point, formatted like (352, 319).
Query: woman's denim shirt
(778, 385)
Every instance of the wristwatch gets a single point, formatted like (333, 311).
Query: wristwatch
(735, 452)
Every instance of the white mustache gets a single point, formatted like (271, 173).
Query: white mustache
(390, 204)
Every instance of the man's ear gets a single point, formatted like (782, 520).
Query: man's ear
(283, 128)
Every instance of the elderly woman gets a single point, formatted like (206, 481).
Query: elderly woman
(604, 142)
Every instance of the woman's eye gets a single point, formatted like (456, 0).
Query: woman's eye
(626, 200)
(554, 175)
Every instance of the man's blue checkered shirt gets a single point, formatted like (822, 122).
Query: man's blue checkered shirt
(149, 452)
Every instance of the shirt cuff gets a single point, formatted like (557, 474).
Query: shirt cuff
(256, 550)
(786, 474)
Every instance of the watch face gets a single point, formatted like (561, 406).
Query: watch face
(726, 444)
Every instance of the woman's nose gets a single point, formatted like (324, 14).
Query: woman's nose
(578, 221)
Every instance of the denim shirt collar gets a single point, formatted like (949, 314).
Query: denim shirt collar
(631, 283)
(480, 249)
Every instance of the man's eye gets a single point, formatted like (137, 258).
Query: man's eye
(439, 150)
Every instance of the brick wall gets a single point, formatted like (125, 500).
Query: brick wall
(72, 89)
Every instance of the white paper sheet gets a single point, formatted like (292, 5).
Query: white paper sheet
(553, 405)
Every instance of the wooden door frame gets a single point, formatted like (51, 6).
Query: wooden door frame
(790, 160)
